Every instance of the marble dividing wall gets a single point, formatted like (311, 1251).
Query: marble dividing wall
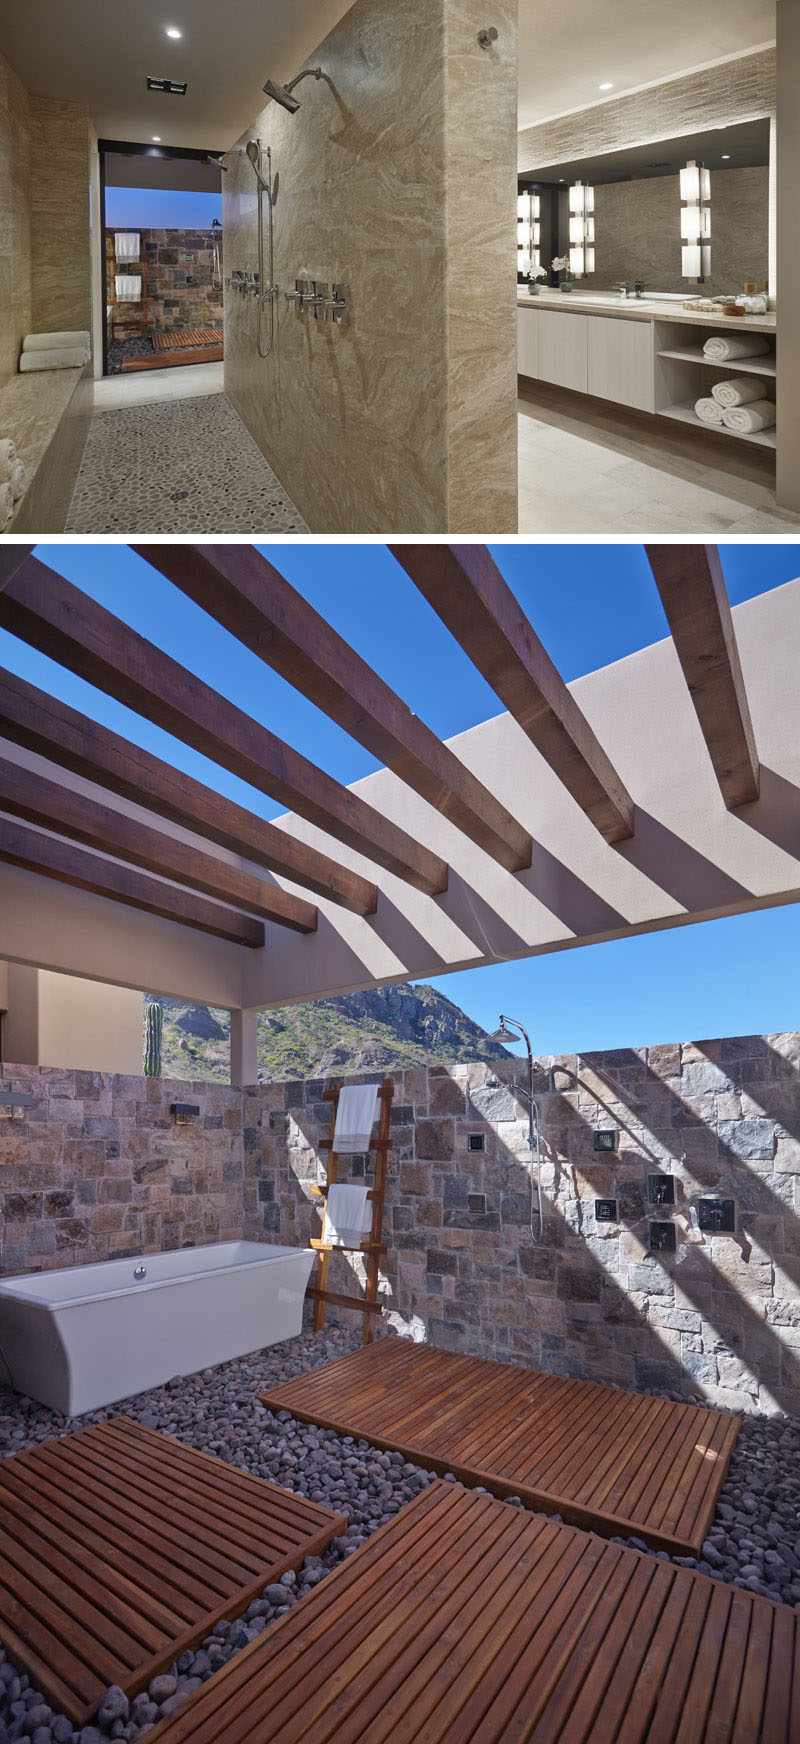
(396, 177)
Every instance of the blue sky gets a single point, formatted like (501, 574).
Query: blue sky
(161, 209)
(590, 605)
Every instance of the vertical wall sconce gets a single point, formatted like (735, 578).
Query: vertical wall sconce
(529, 231)
(581, 230)
(695, 221)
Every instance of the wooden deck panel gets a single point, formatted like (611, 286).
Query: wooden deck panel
(120, 1548)
(616, 1462)
(466, 1621)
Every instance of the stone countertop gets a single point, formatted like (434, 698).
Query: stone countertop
(640, 309)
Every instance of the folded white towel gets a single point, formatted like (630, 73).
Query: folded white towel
(52, 360)
(348, 1216)
(75, 341)
(18, 480)
(128, 287)
(725, 346)
(709, 410)
(8, 455)
(6, 506)
(126, 244)
(738, 392)
(745, 420)
(355, 1116)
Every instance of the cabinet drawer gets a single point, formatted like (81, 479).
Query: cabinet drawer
(563, 349)
(528, 342)
(621, 361)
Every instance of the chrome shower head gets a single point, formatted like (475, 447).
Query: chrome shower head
(253, 150)
(280, 94)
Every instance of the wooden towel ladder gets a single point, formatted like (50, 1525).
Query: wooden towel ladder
(367, 1304)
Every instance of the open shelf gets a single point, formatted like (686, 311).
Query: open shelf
(686, 414)
(765, 365)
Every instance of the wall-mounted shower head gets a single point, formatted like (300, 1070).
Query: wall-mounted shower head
(283, 93)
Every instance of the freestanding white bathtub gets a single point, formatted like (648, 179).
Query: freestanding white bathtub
(89, 1335)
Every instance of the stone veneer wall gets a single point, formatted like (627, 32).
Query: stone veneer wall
(15, 220)
(720, 1317)
(180, 292)
(98, 1168)
(736, 90)
(396, 179)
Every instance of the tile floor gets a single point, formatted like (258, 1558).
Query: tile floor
(177, 465)
(141, 387)
(579, 474)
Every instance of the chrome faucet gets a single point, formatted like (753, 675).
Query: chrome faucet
(639, 287)
(624, 289)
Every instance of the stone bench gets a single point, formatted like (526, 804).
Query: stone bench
(47, 416)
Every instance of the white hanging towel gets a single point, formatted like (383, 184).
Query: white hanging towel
(348, 1216)
(128, 287)
(355, 1117)
(126, 244)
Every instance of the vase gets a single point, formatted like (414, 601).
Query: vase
(566, 285)
(533, 290)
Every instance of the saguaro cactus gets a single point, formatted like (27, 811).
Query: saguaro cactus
(154, 1029)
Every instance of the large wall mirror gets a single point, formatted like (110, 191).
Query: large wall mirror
(637, 210)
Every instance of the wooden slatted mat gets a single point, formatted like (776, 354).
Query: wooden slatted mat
(190, 337)
(614, 1461)
(119, 1548)
(466, 1621)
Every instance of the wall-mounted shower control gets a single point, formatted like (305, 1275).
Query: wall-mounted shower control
(717, 1215)
(660, 1190)
(339, 305)
(662, 1237)
(299, 296)
(317, 299)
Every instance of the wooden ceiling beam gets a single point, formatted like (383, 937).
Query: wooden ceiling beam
(12, 558)
(38, 722)
(466, 589)
(45, 610)
(62, 861)
(695, 599)
(53, 806)
(247, 595)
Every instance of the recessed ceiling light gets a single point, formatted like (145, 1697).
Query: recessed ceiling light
(725, 156)
(608, 86)
(156, 138)
(175, 34)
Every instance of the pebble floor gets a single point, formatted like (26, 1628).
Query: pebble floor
(754, 1540)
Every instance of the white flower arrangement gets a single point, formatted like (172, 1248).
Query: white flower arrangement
(561, 263)
(537, 272)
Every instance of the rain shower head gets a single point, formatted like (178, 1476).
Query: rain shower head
(283, 93)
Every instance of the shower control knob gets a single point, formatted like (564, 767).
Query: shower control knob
(299, 296)
(318, 300)
(339, 305)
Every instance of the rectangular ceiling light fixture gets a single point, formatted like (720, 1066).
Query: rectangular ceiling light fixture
(175, 87)
(581, 230)
(695, 222)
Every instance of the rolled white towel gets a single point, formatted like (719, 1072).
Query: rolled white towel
(74, 341)
(709, 411)
(128, 287)
(738, 392)
(31, 360)
(745, 420)
(18, 480)
(724, 347)
(8, 455)
(6, 506)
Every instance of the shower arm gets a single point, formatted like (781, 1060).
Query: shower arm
(307, 73)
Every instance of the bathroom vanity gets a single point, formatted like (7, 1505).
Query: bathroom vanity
(645, 354)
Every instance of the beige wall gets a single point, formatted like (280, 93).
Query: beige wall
(788, 178)
(638, 233)
(396, 178)
(88, 1026)
(15, 240)
(61, 239)
(65, 1021)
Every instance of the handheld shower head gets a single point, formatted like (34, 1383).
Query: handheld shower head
(253, 150)
(279, 94)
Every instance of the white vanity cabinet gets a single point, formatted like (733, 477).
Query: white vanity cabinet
(528, 340)
(563, 349)
(620, 355)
